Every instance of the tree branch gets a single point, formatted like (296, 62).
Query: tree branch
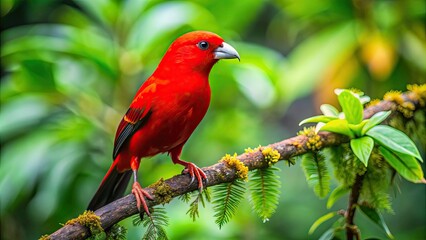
(351, 228)
(216, 174)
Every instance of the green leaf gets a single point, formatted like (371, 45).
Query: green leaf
(316, 173)
(320, 118)
(406, 165)
(328, 235)
(375, 120)
(337, 193)
(394, 139)
(265, 191)
(227, 197)
(357, 128)
(338, 126)
(320, 221)
(362, 148)
(351, 106)
(377, 218)
(39, 75)
(22, 114)
(329, 110)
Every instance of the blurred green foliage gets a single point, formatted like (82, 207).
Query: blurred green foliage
(70, 69)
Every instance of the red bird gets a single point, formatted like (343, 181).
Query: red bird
(163, 114)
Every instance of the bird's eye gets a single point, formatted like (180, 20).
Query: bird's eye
(203, 45)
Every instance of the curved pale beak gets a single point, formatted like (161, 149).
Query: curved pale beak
(226, 51)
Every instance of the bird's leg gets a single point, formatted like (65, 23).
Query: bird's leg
(137, 190)
(192, 169)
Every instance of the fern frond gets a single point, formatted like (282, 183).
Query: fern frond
(227, 196)
(205, 194)
(155, 224)
(193, 207)
(186, 197)
(316, 173)
(155, 232)
(265, 190)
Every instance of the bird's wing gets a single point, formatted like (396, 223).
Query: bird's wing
(134, 118)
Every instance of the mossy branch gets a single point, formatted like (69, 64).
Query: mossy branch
(223, 173)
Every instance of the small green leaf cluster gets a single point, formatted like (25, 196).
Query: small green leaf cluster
(199, 198)
(339, 225)
(375, 152)
(396, 147)
(154, 225)
(376, 217)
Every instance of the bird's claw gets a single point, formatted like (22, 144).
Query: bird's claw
(192, 180)
(196, 172)
(140, 195)
(205, 181)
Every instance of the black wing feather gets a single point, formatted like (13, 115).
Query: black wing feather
(128, 130)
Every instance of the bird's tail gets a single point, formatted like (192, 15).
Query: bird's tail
(112, 187)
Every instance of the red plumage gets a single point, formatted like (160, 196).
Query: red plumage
(163, 114)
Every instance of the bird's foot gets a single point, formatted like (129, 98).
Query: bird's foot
(140, 195)
(195, 172)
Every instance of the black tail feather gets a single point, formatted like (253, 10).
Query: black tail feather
(111, 188)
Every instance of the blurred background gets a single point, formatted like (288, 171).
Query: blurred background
(70, 69)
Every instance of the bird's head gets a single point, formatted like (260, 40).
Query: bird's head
(198, 50)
